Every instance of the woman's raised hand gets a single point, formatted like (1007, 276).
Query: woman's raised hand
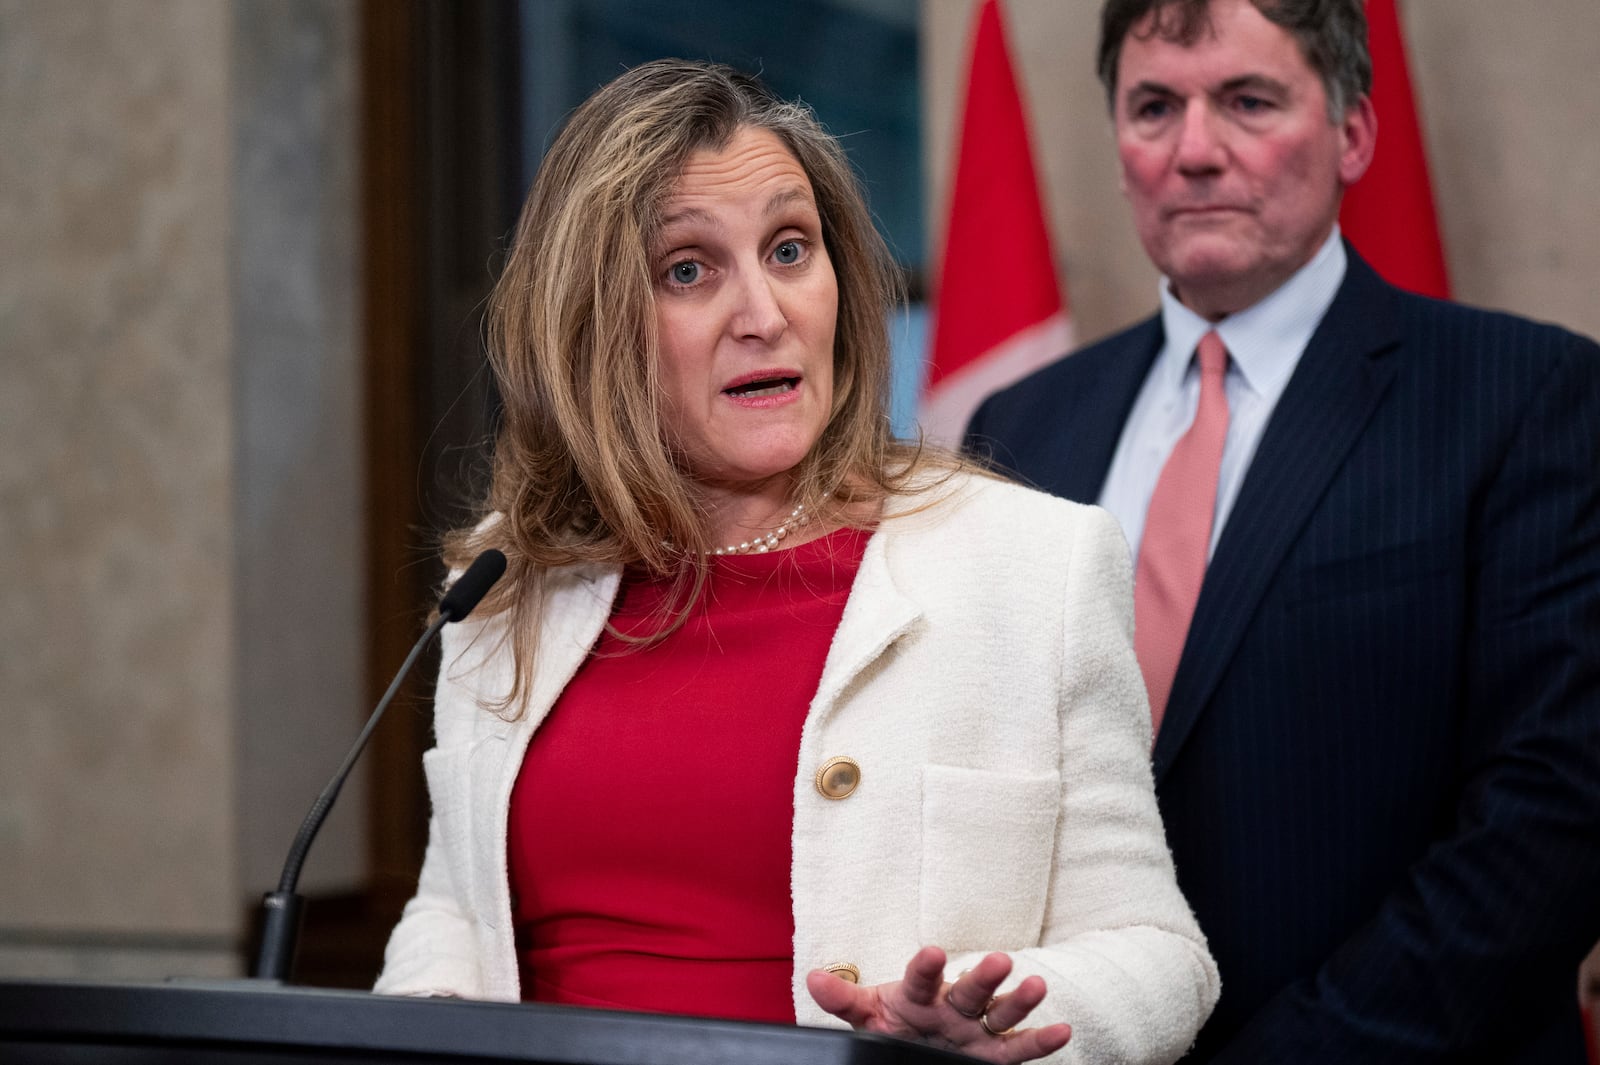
(964, 1016)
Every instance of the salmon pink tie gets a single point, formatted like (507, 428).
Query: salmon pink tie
(1177, 533)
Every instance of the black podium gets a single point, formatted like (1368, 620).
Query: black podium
(201, 1023)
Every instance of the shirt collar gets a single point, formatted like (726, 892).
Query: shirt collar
(1264, 341)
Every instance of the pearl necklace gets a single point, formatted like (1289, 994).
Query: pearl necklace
(762, 544)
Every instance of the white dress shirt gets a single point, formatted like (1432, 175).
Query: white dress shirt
(1264, 345)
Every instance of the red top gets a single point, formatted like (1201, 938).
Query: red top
(650, 824)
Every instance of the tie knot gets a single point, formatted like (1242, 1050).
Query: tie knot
(1213, 356)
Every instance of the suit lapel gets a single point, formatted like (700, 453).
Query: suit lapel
(1093, 427)
(1328, 402)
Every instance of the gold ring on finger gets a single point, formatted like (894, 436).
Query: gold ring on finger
(983, 1019)
(974, 1015)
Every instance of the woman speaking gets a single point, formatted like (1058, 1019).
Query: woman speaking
(774, 717)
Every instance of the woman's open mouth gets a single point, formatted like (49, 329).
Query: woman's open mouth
(772, 386)
(762, 387)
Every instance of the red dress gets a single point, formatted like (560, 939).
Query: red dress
(650, 824)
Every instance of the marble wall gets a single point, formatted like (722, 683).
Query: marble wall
(1508, 105)
(180, 511)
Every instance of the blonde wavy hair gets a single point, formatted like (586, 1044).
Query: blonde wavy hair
(582, 472)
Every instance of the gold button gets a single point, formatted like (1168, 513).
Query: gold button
(844, 971)
(838, 777)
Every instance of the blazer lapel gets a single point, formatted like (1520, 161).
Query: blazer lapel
(575, 612)
(1328, 402)
(875, 615)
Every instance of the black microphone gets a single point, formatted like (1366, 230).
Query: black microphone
(280, 930)
(470, 588)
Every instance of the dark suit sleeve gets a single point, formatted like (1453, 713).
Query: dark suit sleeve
(1466, 952)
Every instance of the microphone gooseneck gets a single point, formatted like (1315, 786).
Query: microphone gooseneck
(283, 908)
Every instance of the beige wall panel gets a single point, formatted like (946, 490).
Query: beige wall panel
(181, 656)
(115, 523)
(297, 410)
(1510, 101)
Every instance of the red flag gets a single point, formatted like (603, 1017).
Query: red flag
(1389, 215)
(999, 313)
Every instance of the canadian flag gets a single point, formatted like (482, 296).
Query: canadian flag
(999, 311)
(1389, 214)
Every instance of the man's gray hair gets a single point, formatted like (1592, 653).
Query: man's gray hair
(1332, 35)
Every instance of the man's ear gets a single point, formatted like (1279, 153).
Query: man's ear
(1358, 136)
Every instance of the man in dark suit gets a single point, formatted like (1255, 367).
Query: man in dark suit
(1378, 744)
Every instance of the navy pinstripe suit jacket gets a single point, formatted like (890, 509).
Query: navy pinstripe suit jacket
(1380, 764)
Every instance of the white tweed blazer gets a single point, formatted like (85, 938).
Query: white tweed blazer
(983, 678)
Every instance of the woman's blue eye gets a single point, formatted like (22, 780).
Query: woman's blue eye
(686, 272)
(788, 253)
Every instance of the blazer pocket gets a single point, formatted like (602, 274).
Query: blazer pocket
(449, 791)
(988, 842)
